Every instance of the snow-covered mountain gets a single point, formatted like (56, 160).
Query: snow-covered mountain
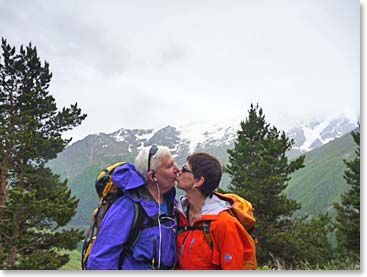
(124, 144)
(313, 134)
(191, 136)
(307, 135)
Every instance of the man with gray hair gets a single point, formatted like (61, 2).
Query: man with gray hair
(147, 186)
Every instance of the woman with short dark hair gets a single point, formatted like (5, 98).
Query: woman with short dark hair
(203, 214)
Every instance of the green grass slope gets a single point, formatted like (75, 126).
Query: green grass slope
(75, 260)
(320, 183)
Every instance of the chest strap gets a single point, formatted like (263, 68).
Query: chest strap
(205, 227)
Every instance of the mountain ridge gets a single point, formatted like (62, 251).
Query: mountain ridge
(186, 139)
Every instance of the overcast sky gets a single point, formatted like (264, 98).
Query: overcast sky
(147, 64)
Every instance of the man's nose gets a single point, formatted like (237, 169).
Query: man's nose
(177, 170)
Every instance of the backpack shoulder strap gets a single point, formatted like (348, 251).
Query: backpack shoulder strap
(138, 223)
(134, 232)
(206, 228)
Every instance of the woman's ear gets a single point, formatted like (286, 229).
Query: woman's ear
(199, 182)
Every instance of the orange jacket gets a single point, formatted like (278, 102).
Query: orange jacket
(231, 246)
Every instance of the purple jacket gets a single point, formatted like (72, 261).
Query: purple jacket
(147, 252)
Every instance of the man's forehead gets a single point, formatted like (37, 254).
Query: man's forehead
(168, 159)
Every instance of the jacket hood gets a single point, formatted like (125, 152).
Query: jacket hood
(125, 177)
(212, 206)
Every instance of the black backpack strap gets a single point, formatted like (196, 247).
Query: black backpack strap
(134, 232)
(138, 222)
(93, 230)
(205, 227)
(252, 232)
(88, 239)
(189, 228)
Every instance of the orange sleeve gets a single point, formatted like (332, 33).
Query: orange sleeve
(231, 245)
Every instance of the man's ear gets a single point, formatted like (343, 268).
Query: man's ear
(151, 176)
(199, 182)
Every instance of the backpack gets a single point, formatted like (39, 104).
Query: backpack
(108, 194)
(243, 211)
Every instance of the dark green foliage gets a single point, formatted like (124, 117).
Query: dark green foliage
(259, 167)
(348, 211)
(335, 264)
(28, 114)
(305, 240)
(33, 218)
(260, 170)
(34, 203)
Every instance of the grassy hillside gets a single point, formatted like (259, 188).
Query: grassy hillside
(83, 188)
(320, 183)
(75, 260)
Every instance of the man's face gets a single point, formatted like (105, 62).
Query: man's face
(166, 174)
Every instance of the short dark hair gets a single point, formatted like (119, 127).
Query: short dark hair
(207, 166)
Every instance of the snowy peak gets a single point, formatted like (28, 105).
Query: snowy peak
(128, 135)
(124, 144)
(198, 135)
(212, 138)
(188, 138)
(313, 134)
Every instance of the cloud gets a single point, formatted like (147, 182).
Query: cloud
(168, 62)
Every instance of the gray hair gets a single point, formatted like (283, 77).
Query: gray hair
(141, 160)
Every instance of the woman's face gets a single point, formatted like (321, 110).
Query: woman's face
(186, 178)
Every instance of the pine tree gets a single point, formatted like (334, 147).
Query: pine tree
(34, 203)
(348, 212)
(259, 171)
(306, 242)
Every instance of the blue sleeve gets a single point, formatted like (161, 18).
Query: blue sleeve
(113, 234)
